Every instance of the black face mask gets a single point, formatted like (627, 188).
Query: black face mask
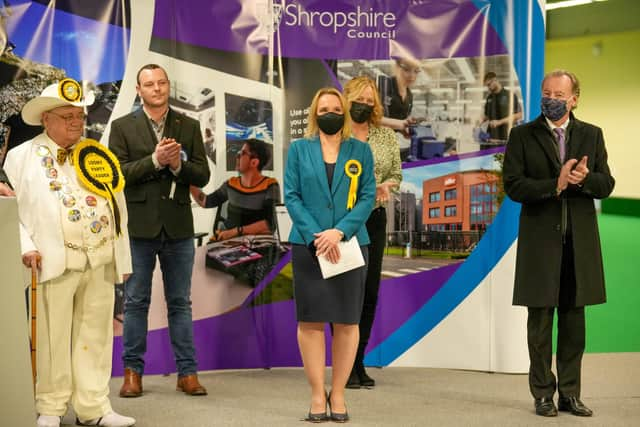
(331, 123)
(553, 109)
(360, 112)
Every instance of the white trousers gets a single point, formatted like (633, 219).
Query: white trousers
(75, 342)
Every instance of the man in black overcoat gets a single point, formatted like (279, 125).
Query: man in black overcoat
(556, 166)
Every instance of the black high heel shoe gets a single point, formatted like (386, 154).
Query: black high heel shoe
(320, 417)
(337, 417)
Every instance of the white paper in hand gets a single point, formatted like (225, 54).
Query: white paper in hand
(350, 258)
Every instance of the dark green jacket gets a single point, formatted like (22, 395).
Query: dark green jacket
(147, 190)
(531, 170)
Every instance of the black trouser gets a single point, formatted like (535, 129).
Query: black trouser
(571, 338)
(377, 229)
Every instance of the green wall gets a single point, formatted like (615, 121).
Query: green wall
(607, 66)
(615, 326)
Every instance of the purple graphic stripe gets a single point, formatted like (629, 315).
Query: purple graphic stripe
(462, 156)
(265, 336)
(401, 297)
(445, 30)
(257, 337)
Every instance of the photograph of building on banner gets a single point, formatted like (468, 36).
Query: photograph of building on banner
(443, 107)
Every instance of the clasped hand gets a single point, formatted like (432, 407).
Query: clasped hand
(168, 153)
(573, 175)
(326, 244)
(32, 259)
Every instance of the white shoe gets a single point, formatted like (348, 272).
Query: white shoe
(108, 420)
(48, 421)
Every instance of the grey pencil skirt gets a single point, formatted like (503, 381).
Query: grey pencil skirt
(338, 299)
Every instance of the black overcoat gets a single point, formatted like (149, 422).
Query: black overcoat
(531, 170)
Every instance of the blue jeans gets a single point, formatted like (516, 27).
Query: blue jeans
(176, 264)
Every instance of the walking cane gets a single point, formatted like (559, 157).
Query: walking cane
(34, 280)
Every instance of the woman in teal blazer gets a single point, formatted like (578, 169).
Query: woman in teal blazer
(317, 185)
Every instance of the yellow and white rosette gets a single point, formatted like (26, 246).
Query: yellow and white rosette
(70, 90)
(98, 170)
(353, 169)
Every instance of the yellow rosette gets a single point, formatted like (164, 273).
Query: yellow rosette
(70, 90)
(353, 169)
(99, 171)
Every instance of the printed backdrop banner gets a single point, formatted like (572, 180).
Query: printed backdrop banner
(370, 29)
(249, 69)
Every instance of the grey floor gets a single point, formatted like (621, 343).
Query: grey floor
(402, 397)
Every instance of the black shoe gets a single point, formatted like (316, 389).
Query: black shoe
(574, 405)
(366, 380)
(545, 407)
(320, 417)
(353, 381)
(317, 418)
(338, 417)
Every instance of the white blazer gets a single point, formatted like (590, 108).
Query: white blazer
(39, 212)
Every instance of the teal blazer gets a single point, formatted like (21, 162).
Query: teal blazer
(312, 205)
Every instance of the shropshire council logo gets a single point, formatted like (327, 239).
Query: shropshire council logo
(360, 23)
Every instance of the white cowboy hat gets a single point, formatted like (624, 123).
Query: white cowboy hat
(61, 94)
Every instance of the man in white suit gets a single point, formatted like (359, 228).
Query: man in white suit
(69, 233)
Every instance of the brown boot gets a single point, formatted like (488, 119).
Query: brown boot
(190, 385)
(132, 386)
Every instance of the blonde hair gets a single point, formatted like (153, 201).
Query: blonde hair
(354, 88)
(312, 118)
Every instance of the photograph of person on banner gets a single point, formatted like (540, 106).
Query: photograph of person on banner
(502, 111)
(325, 209)
(251, 195)
(247, 118)
(398, 103)
(245, 207)
(437, 106)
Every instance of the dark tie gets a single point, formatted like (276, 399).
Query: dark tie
(562, 148)
(63, 154)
